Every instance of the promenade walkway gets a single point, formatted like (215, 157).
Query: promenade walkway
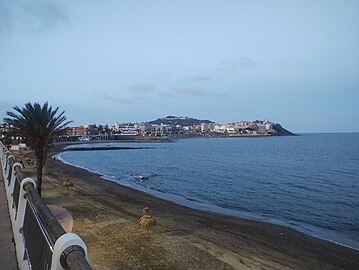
(7, 249)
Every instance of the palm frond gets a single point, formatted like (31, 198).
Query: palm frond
(37, 124)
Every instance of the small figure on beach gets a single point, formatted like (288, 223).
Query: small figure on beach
(67, 183)
(146, 221)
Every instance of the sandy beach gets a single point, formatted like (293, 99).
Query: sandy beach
(105, 216)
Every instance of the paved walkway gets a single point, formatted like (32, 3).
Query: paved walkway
(7, 249)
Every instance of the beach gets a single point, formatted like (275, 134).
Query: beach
(105, 215)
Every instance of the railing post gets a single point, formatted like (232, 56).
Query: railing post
(10, 191)
(3, 162)
(5, 152)
(63, 242)
(3, 149)
(19, 222)
(7, 167)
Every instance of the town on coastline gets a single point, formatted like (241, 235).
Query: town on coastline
(169, 127)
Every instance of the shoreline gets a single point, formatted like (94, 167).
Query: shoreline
(220, 241)
(202, 206)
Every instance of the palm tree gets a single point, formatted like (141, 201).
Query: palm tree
(37, 125)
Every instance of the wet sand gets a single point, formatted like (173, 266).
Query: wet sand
(105, 216)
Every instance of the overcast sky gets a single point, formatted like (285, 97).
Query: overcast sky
(291, 62)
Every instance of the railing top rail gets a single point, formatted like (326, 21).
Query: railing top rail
(48, 220)
(74, 258)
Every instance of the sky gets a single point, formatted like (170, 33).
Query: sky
(291, 62)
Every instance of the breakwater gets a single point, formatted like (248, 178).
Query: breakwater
(104, 148)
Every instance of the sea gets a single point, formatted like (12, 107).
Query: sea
(308, 182)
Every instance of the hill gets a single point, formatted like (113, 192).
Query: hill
(181, 121)
(281, 131)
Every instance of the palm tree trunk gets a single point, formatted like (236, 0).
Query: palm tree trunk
(44, 157)
(39, 153)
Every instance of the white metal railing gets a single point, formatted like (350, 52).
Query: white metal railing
(29, 213)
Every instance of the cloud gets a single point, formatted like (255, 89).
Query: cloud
(280, 64)
(5, 17)
(166, 94)
(235, 64)
(203, 78)
(200, 78)
(32, 16)
(103, 96)
(124, 100)
(193, 90)
(109, 98)
(221, 94)
(164, 75)
(141, 88)
(304, 62)
(199, 91)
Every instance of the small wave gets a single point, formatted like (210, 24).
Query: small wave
(344, 172)
(306, 188)
(144, 177)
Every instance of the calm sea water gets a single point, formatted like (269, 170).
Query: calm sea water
(308, 182)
